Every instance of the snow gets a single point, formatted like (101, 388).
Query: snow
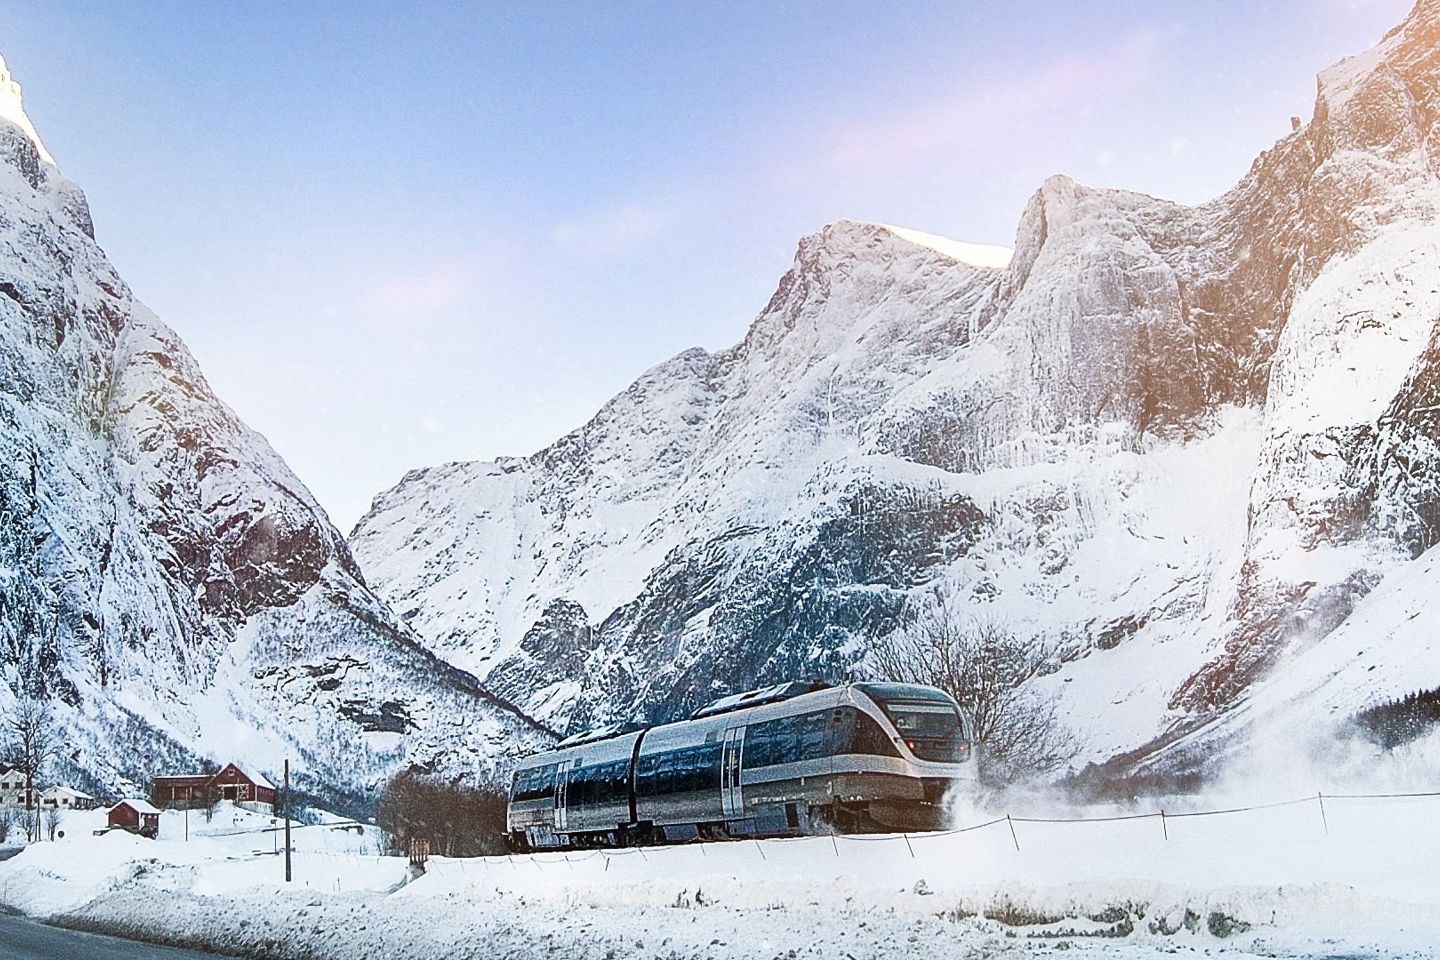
(136, 804)
(193, 599)
(1282, 881)
(1355, 332)
(256, 778)
(974, 254)
(1154, 560)
(12, 109)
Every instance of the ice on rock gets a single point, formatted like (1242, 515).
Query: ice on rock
(1171, 443)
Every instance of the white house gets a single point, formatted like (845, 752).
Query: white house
(12, 787)
(68, 798)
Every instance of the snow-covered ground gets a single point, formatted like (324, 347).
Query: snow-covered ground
(1361, 881)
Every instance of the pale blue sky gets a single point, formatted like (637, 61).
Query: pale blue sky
(399, 234)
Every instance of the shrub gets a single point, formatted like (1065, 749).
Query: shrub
(458, 820)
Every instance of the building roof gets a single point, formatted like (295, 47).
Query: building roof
(255, 778)
(78, 794)
(248, 773)
(136, 804)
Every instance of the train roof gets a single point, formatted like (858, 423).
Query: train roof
(904, 691)
(754, 698)
(606, 732)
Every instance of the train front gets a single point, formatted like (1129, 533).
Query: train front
(928, 758)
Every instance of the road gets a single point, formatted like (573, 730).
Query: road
(22, 939)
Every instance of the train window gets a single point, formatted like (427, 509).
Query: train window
(860, 733)
(684, 771)
(702, 767)
(812, 735)
(601, 779)
(932, 730)
(711, 753)
(757, 745)
(645, 774)
(665, 773)
(534, 783)
(785, 742)
(620, 780)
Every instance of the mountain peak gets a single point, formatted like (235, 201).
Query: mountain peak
(12, 109)
(849, 232)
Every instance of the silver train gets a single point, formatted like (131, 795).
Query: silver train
(788, 760)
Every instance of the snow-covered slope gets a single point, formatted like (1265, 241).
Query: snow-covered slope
(164, 578)
(1176, 444)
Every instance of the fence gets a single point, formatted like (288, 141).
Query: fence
(1319, 800)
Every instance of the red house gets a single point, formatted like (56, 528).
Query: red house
(134, 815)
(235, 784)
(187, 792)
(248, 788)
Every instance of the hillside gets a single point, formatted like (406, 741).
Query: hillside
(165, 580)
(1176, 446)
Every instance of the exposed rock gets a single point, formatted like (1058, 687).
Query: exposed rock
(1192, 438)
(163, 574)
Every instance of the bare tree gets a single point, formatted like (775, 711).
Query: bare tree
(33, 743)
(457, 820)
(53, 818)
(30, 823)
(985, 667)
(7, 820)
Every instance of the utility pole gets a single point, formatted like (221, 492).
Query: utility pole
(287, 820)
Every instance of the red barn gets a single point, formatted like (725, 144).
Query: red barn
(245, 787)
(134, 815)
(191, 791)
(232, 783)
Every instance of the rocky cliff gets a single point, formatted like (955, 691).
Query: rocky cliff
(165, 579)
(1175, 445)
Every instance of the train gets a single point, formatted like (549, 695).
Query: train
(789, 760)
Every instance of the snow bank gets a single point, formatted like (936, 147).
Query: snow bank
(1282, 881)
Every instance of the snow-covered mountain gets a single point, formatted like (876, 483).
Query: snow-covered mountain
(164, 578)
(1177, 444)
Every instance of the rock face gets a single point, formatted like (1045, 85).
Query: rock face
(164, 577)
(1175, 444)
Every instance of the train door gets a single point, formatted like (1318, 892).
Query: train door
(731, 801)
(562, 792)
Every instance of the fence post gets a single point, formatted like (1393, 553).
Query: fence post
(1164, 825)
(1013, 838)
(761, 849)
(1323, 819)
(907, 845)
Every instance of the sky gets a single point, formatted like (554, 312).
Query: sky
(396, 235)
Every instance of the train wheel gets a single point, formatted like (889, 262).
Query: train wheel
(820, 821)
(849, 819)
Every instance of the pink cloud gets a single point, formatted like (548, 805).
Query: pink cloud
(941, 126)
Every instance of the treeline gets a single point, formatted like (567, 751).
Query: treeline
(458, 820)
(1400, 721)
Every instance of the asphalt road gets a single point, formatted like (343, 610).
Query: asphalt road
(22, 939)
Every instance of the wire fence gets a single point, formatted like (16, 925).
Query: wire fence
(1163, 815)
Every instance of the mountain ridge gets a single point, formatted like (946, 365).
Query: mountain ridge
(166, 581)
(894, 424)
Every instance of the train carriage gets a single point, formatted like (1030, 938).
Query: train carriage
(787, 760)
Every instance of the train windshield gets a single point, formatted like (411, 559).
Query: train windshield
(927, 720)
